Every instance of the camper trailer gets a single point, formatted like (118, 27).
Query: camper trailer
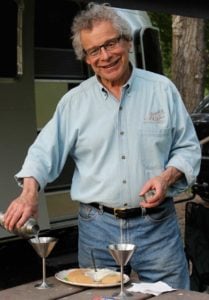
(37, 66)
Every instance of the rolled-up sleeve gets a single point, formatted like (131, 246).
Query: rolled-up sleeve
(185, 154)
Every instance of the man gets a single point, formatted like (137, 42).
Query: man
(129, 134)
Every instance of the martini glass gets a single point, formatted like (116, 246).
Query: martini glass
(43, 247)
(122, 253)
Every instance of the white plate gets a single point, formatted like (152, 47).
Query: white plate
(61, 276)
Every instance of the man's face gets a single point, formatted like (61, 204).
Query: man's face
(110, 64)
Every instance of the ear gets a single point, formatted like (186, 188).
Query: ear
(87, 60)
(130, 45)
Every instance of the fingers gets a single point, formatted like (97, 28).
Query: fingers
(11, 216)
(149, 195)
(18, 213)
(153, 192)
(16, 219)
(22, 220)
(26, 214)
(150, 199)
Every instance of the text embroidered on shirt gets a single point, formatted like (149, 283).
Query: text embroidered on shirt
(156, 117)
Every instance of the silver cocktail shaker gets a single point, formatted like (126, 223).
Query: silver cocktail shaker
(30, 228)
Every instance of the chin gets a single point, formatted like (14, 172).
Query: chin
(112, 76)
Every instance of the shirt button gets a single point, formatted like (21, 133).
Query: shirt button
(122, 133)
(124, 181)
(123, 157)
(120, 108)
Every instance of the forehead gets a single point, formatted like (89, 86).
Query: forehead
(98, 34)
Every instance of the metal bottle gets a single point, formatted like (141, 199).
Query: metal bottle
(30, 228)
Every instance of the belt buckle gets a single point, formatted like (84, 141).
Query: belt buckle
(117, 212)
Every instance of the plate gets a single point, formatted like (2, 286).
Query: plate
(61, 276)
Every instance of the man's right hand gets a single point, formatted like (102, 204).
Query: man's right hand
(24, 206)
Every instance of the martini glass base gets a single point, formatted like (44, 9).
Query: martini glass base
(122, 295)
(43, 285)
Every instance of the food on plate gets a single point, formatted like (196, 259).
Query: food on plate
(105, 276)
(88, 276)
(111, 279)
(78, 276)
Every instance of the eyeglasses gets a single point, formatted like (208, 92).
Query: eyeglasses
(108, 46)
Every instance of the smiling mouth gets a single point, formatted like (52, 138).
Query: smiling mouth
(110, 65)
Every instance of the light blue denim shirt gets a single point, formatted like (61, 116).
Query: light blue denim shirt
(117, 145)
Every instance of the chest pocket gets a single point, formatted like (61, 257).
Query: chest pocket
(155, 144)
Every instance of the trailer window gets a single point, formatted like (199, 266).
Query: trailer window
(147, 52)
(152, 51)
(54, 56)
(47, 96)
(8, 33)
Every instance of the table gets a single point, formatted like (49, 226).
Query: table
(27, 291)
(182, 295)
(96, 294)
(93, 294)
(62, 291)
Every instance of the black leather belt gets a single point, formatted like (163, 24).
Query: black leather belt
(123, 213)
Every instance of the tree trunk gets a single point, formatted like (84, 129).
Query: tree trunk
(188, 59)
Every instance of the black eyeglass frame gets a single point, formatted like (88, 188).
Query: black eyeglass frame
(109, 45)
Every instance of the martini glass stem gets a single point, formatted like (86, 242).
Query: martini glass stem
(121, 281)
(44, 269)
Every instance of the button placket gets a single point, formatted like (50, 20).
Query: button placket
(123, 151)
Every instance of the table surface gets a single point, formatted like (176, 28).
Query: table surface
(182, 295)
(63, 291)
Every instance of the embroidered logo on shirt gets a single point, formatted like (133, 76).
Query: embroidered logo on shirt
(155, 117)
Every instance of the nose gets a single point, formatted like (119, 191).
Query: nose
(104, 53)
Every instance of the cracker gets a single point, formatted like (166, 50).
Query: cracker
(111, 279)
(78, 276)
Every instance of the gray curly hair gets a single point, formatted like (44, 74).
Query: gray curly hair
(94, 13)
